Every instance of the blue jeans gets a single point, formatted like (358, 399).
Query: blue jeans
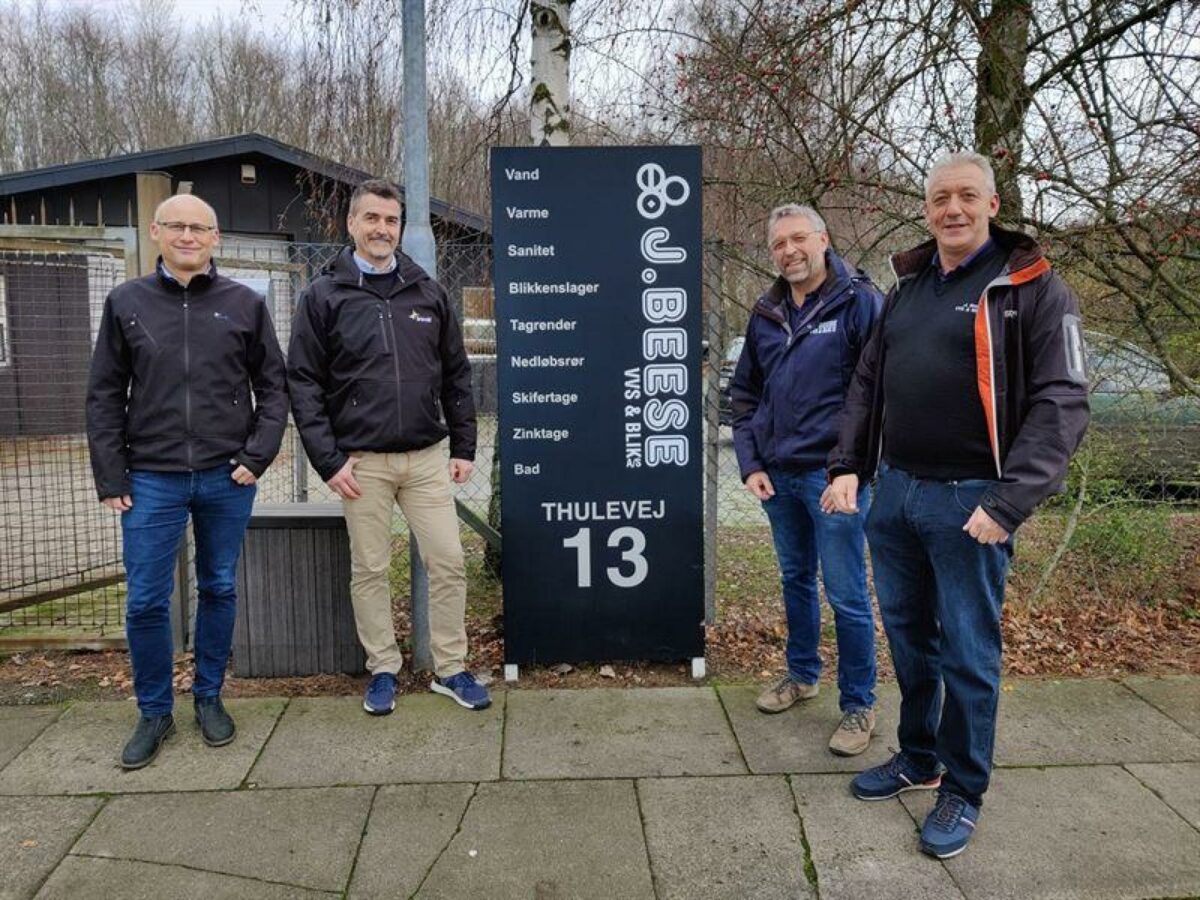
(151, 532)
(940, 593)
(805, 538)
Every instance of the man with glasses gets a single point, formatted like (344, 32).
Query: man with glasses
(186, 408)
(802, 343)
(381, 393)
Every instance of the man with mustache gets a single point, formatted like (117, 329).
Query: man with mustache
(379, 378)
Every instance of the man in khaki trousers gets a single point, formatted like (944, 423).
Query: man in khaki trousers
(379, 379)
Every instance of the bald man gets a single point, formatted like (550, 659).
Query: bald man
(186, 408)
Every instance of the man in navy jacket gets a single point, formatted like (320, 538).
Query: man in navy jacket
(802, 345)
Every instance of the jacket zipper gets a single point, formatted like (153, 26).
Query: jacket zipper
(396, 370)
(187, 381)
(384, 331)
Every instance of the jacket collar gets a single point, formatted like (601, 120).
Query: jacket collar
(1024, 255)
(772, 304)
(344, 270)
(200, 280)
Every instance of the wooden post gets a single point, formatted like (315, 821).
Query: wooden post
(152, 189)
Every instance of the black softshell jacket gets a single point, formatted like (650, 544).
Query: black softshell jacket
(183, 379)
(1030, 369)
(378, 373)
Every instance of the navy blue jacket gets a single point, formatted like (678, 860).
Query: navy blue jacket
(788, 389)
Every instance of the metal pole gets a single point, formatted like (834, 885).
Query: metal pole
(419, 244)
(715, 326)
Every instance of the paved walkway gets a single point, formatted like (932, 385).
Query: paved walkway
(658, 792)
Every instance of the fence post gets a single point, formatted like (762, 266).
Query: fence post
(715, 328)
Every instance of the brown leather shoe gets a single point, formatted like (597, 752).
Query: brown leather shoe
(853, 732)
(784, 694)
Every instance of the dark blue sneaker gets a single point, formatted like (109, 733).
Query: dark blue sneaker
(463, 689)
(895, 776)
(949, 826)
(381, 694)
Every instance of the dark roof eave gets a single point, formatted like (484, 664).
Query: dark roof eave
(203, 151)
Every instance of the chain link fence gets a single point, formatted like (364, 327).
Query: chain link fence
(60, 550)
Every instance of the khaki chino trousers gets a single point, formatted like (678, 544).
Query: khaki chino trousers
(419, 481)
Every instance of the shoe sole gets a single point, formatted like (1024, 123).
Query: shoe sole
(379, 712)
(929, 851)
(862, 749)
(446, 692)
(204, 737)
(922, 786)
(162, 740)
(775, 712)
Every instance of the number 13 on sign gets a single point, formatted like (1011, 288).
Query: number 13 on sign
(581, 543)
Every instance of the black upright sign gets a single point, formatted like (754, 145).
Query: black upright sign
(597, 275)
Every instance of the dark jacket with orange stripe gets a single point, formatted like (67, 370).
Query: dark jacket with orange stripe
(1031, 372)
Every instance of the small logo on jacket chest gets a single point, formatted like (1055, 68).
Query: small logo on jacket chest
(417, 317)
(829, 327)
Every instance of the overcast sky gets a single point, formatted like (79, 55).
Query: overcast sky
(265, 15)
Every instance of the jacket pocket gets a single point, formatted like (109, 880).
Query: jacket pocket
(363, 330)
(422, 412)
(240, 411)
(138, 335)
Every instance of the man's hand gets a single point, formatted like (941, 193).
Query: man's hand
(760, 485)
(344, 484)
(242, 475)
(984, 529)
(119, 504)
(841, 496)
(460, 470)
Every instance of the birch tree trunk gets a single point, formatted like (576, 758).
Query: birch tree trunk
(1002, 97)
(549, 126)
(550, 56)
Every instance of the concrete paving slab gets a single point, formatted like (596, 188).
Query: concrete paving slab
(862, 849)
(723, 838)
(1177, 697)
(35, 833)
(302, 837)
(410, 826)
(797, 740)
(614, 733)
(8, 712)
(1176, 784)
(562, 840)
(1088, 832)
(428, 738)
(1085, 722)
(78, 754)
(19, 725)
(81, 876)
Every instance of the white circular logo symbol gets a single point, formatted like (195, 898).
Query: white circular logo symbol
(656, 188)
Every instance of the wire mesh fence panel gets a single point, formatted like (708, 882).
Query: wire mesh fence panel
(55, 538)
(60, 550)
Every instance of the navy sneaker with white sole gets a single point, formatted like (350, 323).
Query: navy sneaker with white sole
(895, 776)
(463, 689)
(380, 698)
(949, 826)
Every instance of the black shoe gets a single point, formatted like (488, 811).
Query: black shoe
(147, 740)
(216, 725)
